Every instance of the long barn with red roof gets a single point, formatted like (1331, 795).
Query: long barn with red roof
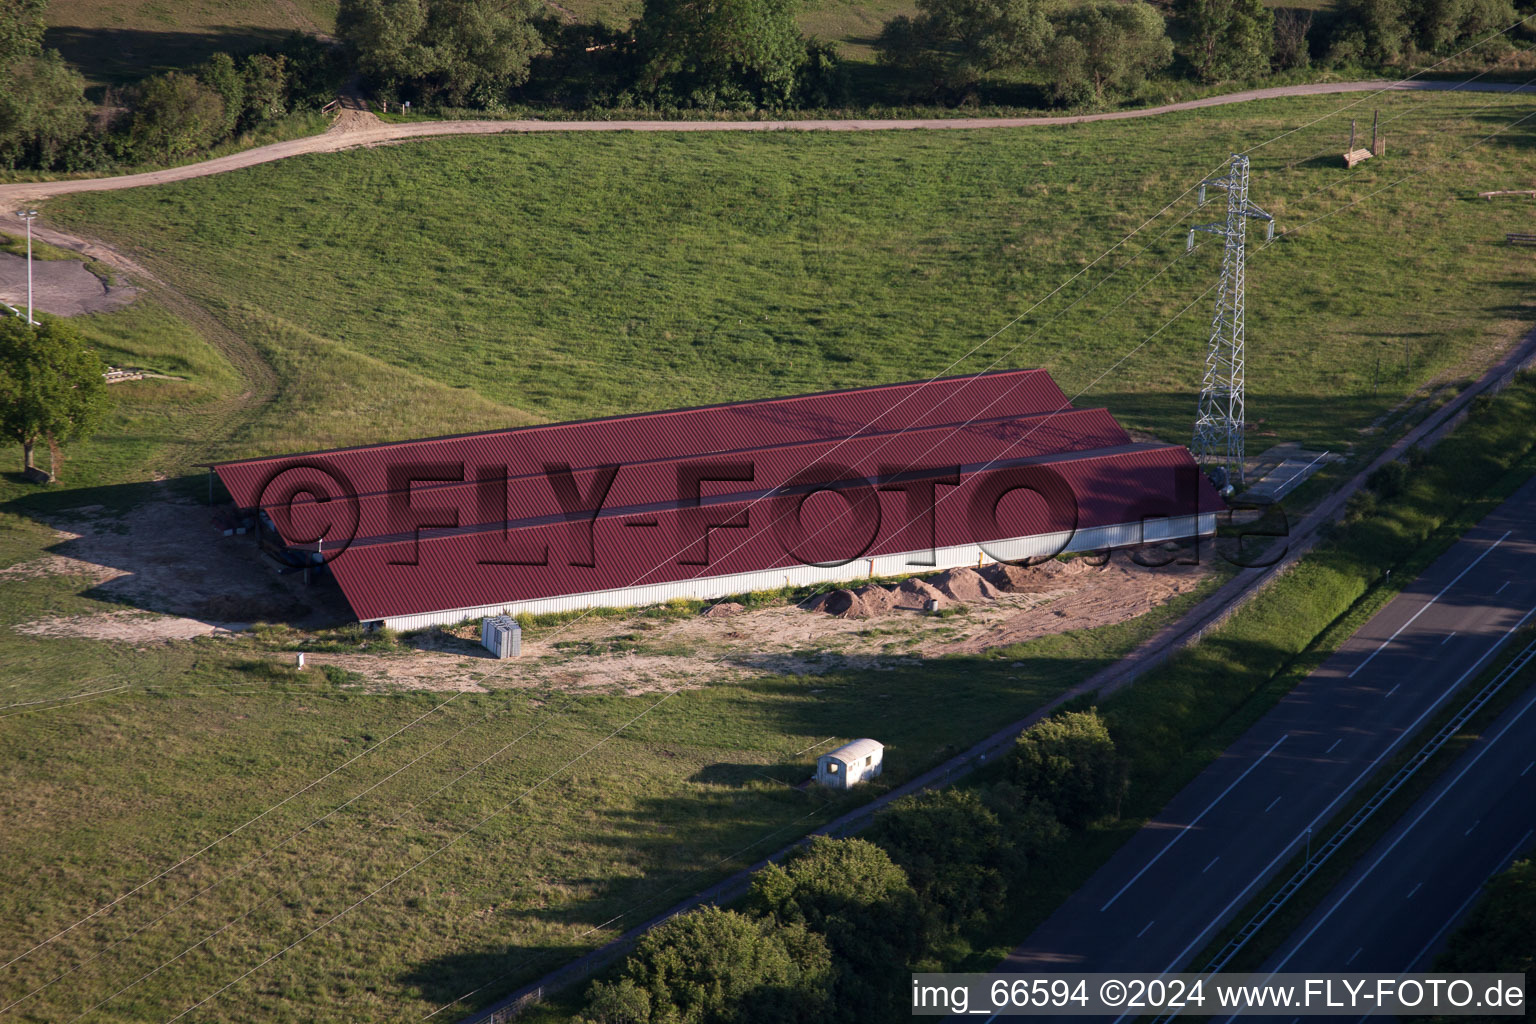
(720, 500)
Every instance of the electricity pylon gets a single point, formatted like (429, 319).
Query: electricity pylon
(1218, 442)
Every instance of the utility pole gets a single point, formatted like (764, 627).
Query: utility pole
(29, 216)
(1218, 440)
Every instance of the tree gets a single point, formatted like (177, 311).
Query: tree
(220, 74)
(720, 53)
(954, 851)
(174, 115)
(849, 891)
(21, 29)
(1106, 47)
(456, 50)
(954, 43)
(1391, 31)
(1070, 762)
(1227, 38)
(42, 109)
(717, 965)
(51, 386)
(1292, 48)
(264, 88)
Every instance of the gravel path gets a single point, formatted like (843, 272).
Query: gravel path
(357, 128)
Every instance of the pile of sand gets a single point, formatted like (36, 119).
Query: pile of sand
(949, 588)
(966, 586)
(915, 594)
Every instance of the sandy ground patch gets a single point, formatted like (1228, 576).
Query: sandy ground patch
(61, 287)
(1000, 605)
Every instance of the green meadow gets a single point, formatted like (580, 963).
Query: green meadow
(464, 844)
(568, 275)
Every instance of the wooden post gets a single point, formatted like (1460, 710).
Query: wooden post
(1351, 135)
(1375, 133)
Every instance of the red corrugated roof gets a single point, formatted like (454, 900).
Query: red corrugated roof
(645, 532)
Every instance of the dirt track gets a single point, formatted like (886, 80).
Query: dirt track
(356, 128)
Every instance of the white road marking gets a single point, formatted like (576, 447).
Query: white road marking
(1271, 805)
(1432, 600)
(1412, 727)
(1335, 743)
(1447, 638)
(1454, 918)
(1210, 865)
(1143, 931)
(1413, 890)
(1337, 903)
(1195, 821)
(1391, 691)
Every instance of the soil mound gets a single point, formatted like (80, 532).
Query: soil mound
(967, 586)
(723, 610)
(876, 600)
(916, 593)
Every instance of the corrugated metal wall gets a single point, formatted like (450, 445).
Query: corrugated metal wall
(710, 588)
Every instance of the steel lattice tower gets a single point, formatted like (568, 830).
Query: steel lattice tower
(1218, 441)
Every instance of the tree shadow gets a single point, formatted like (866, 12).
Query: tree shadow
(117, 56)
(462, 976)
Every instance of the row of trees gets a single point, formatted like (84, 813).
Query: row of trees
(719, 54)
(713, 54)
(749, 54)
(841, 923)
(46, 122)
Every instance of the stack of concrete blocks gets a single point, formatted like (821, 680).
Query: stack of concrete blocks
(502, 636)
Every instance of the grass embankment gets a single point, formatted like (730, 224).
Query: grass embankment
(570, 276)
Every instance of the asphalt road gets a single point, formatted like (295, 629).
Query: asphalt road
(1165, 893)
(1394, 911)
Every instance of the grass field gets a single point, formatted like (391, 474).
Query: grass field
(528, 270)
(461, 284)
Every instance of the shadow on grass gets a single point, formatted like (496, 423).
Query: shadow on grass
(156, 546)
(117, 56)
(460, 975)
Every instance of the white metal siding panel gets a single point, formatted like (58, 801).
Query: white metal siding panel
(709, 588)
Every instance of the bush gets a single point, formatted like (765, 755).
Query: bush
(953, 849)
(717, 965)
(1292, 46)
(453, 51)
(1070, 762)
(951, 44)
(1388, 481)
(42, 110)
(1226, 39)
(174, 115)
(850, 892)
(726, 54)
(1105, 48)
